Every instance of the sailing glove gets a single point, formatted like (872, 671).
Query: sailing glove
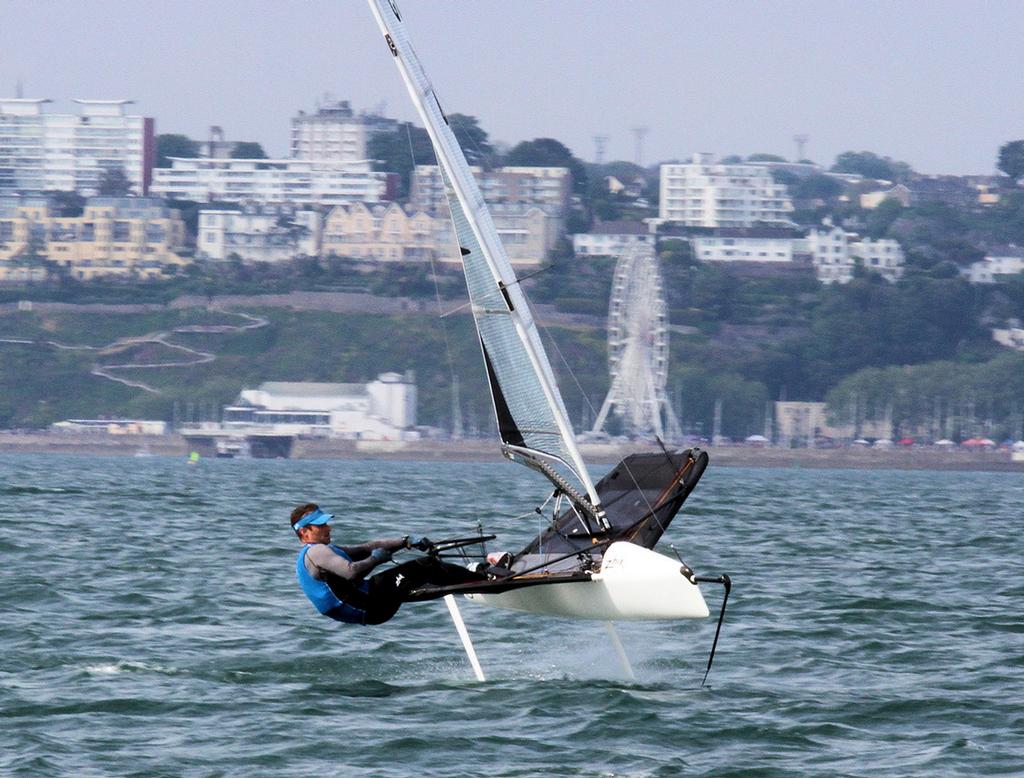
(415, 541)
(381, 554)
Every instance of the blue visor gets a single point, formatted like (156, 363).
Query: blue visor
(316, 517)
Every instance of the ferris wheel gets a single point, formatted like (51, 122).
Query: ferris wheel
(638, 350)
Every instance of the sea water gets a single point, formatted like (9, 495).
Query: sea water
(151, 625)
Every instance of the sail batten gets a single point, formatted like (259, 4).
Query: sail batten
(531, 413)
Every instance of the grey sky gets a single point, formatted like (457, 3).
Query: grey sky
(937, 84)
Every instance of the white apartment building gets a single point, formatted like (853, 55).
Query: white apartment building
(259, 233)
(336, 133)
(383, 409)
(313, 182)
(703, 193)
(612, 239)
(543, 187)
(1011, 337)
(41, 151)
(835, 253)
(1005, 263)
(743, 245)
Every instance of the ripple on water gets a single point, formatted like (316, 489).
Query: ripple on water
(874, 626)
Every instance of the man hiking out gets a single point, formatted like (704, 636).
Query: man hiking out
(335, 578)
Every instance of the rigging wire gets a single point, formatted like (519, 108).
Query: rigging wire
(440, 310)
(546, 331)
(586, 399)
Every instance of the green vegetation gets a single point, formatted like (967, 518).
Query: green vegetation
(247, 149)
(399, 152)
(173, 145)
(115, 183)
(951, 398)
(871, 165)
(41, 384)
(1011, 159)
(748, 340)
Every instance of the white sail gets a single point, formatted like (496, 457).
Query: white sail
(531, 415)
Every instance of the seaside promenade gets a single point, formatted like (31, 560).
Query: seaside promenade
(914, 458)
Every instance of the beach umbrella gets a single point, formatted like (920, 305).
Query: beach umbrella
(945, 443)
(756, 439)
(883, 443)
(906, 441)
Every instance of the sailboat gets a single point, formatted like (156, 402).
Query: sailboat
(595, 559)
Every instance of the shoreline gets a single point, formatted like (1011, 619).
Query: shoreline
(103, 444)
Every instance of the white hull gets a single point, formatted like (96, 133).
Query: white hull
(634, 583)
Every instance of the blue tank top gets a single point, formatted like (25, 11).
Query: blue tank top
(320, 594)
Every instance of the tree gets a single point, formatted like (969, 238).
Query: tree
(248, 150)
(114, 183)
(817, 187)
(784, 177)
(67, 204)
(762, 157)
(1011, 159)
(871, 165)
(171, 145)
(472, 138)
(881, 217)
(548, 152)
(399, 151)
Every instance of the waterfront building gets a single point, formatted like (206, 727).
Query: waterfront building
(42, 151)
(1003, 261)
(112, 426)
(873, 199)
(259, 233)
(1011, 337)
(835, 254)
(304, 181)
(703, 193)
(387, 233)
(803, 424)
(336, 133)
(120, 236)
(528, 205)
(383, 409)
(547, 188)
(745, 244)
(612, 239)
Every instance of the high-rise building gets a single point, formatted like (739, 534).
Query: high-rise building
(42, 151)
(703, 193)
(336, 133)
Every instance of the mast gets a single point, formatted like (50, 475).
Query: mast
(495, 294)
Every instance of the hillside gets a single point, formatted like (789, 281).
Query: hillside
(744, 341)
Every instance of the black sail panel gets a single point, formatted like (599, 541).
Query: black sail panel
(507, 428)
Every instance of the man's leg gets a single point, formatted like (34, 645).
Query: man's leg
(405, 577)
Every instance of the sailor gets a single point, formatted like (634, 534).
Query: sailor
(335, 580)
